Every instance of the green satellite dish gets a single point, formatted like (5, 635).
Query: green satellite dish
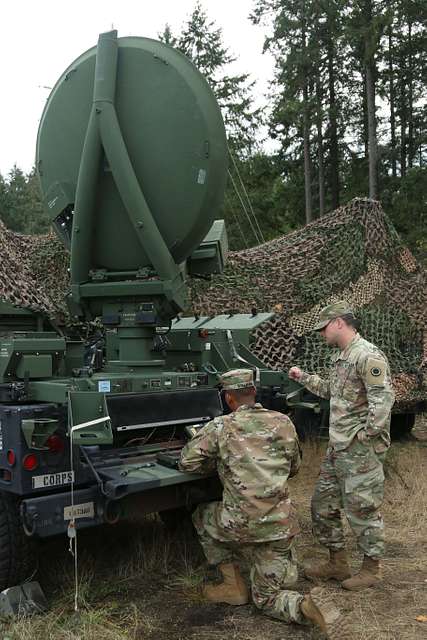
(165, 133)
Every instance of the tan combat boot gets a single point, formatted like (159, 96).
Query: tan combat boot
(318, 607)
(336, 569)
(368, 576)
(232, 590)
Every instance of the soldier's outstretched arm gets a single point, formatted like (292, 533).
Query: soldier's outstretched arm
(312, 382)
(200, 453)
(375, 373)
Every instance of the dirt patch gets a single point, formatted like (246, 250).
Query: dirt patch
(206, 615)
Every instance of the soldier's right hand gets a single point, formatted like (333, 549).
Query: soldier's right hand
(295, 373)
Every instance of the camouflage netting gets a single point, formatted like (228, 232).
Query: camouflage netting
(352, 253)
(33, 272)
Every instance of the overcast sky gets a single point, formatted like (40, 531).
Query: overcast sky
(40, 39)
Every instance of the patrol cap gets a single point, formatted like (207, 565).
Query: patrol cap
(332, 311)
(237, 379)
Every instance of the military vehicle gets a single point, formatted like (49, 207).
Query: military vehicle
(132, 159)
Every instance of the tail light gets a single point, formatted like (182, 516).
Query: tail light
(55, 444)
(30, 462)
(11, 457)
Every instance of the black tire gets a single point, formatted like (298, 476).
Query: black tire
(17, 557)
(401, 425)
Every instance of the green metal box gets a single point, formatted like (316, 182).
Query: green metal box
(39, 366)
(210, 257)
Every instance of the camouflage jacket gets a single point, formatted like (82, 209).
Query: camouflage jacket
(361, 395)
(255, 451)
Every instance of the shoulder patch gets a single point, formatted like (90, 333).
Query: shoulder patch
(375, 371)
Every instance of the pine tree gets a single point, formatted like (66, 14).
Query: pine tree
(16, 200)
(296, 92)
(202, 41)
(410, 79)
(367, 21)
(332, 42)
(167, 36)
(21, 207)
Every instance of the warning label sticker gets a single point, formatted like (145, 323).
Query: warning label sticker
(84, 510)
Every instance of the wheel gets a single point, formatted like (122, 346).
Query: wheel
(16, 550)
(401, 425)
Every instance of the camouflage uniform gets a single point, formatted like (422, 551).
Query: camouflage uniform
(351, 475)
(255, 451)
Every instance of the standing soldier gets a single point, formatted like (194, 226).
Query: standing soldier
(351, 475)
(255, 451)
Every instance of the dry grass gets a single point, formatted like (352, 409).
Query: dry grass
(139, 583)
(389, 612)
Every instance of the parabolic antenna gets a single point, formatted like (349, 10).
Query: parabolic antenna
(165, 120)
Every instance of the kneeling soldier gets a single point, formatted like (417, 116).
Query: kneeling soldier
(255, 451)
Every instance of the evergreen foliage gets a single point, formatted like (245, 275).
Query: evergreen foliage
(347, 113)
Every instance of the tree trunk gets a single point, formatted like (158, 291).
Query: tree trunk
(333, 128)
(320, 148)
(365, 125)
(370, 77)
(392, 103)
(307, 163)
(410, 98)
(306, 119)
(372, 130)
(402, 118)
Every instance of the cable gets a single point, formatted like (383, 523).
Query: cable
(142, 439)
(246, 194)
(244, 208)
(229, 205)
(72, 530)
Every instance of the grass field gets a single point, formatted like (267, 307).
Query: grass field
(139, 582)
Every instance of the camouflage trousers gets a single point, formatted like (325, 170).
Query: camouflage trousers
(352, 481)
(273, 566)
